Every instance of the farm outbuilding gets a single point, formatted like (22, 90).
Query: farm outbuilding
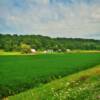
(33, 51)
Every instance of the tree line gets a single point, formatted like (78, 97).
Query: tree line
(16, 42)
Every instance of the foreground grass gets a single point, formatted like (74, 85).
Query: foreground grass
(19, 73)
(84, 85)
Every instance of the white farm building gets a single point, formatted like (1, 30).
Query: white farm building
(33, 50)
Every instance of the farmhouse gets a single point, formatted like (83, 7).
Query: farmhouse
(33, 51)
(48, 51)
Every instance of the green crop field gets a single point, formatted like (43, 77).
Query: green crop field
(84, 85)
(21, 72)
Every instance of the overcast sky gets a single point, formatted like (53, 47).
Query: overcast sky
(55, 18)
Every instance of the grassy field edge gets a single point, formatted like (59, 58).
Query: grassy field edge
(45, 90)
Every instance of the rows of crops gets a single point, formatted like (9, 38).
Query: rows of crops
(18, 73)
(84, 85)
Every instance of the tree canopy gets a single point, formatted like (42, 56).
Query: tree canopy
(13, 43)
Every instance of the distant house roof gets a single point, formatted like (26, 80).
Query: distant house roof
(33, 50)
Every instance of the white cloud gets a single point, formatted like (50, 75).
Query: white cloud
(40, 17)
